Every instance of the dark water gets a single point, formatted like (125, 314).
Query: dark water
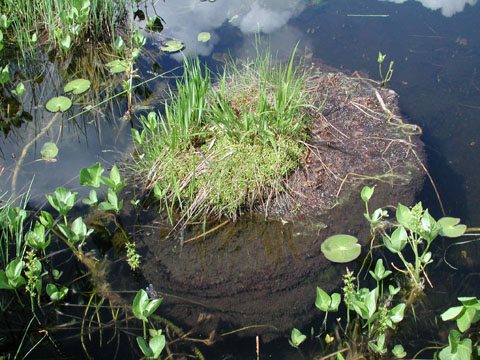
(436, 72)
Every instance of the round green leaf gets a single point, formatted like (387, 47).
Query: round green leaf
(203, 36)
(59, 103)
(341, 248)
(49, 150)
(77, 86)
(172, 46)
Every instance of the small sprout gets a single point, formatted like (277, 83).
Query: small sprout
(367, 193)
(19, 90)
(296, 338)
(325, 302)
(55, 293)
(381, 57)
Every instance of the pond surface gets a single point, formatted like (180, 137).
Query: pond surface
(436, 73)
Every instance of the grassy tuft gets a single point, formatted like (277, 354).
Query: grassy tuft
(221, 148)
(39, 22)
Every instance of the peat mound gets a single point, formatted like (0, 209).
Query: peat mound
(264, 270)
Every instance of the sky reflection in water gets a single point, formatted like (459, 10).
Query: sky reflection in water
(447, 7)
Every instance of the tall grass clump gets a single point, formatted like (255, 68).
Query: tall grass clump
(218, 149)
(62, 23)
(12, 223)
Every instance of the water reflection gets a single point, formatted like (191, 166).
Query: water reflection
(185, 19)
(448, 7)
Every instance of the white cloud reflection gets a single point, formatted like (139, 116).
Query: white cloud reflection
(185, 19)
(448, 7)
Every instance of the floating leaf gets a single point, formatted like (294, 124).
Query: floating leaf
(450, 227)
(117, 66)
(341, 248)
(172, 46)
(49, 150)
(59, 103)
(77, 86)
(203, 36)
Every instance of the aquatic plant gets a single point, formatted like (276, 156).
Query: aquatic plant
(388, 76)
(220, 148)
(378, 311)
(462, 345)
(61, 24)
(144, 306)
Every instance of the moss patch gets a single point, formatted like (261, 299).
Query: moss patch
(219, 149)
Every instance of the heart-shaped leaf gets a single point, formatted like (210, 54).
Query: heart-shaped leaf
(366, 193)
(77, 86)
(296, 338)
(59, 103)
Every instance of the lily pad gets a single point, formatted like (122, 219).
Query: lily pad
(77, 86)
(172, 46)
(49, 150)
(341, 248)
(59, 103)
(117, 66)
(203, 36)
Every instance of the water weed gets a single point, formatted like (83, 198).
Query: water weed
(373, 315)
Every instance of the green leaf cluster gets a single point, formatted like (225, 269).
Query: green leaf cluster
(414, 228)
(92, 177)
(461, 347)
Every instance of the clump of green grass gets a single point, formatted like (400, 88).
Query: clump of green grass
(61, 23)
(219, 149)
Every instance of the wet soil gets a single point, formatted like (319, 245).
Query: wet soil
(261, 271)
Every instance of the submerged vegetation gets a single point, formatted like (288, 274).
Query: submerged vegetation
(220, 148)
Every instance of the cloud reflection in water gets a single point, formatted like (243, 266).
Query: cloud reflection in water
(185, 19)
(448, 7)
